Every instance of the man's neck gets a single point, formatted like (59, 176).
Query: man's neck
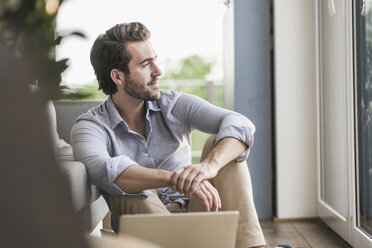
(132, 110)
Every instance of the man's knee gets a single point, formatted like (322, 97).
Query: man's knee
(236, 173)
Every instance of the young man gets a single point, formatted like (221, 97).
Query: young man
(136, 145)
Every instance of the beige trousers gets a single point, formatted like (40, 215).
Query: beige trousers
(233, 184)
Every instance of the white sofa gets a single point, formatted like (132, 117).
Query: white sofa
(88, 202)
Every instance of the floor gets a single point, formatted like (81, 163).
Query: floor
(301, 234)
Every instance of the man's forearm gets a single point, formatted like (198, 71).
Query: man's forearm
(138, 178)
(224, 152)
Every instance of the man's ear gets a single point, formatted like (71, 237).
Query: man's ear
(117, 76)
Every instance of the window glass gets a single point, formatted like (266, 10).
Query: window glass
(364, 112)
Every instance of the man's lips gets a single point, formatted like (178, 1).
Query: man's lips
(153, 82)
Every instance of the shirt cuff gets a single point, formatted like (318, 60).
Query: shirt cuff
(121, 192)
(115, 166)
(243, 134)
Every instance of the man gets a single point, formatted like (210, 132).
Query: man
(136, 145)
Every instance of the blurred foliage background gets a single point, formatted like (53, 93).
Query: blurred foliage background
(192, 67)
(27, 27)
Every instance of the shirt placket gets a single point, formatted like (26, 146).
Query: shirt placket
(145, 142)
(147, 159)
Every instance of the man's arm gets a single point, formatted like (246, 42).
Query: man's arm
(120, 174)
(137, 178)
(234, 139)
(186, 179)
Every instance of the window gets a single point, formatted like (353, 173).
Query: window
(364, 114)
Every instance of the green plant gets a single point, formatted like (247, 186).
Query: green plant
(86, 92)
(28, 29)
(192, 67)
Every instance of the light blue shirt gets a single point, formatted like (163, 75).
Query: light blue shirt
(103, 142)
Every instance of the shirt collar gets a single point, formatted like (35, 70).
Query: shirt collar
(152, 105)
(114, 116)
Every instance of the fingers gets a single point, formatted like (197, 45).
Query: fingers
(174, 178)
(187, 179)
(192, 181)
(209, 196)
(198, 175)
(181, 177)
(195, 183)
(183, 180)
(208, 199)
(215, 200)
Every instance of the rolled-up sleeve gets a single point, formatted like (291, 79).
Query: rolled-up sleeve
(90, 142)
(197, 113)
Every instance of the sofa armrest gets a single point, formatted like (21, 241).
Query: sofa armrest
(83, 193)
(87, 201)
(89, 205)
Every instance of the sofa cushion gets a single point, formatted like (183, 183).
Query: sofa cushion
(67, 112)
(57, 141)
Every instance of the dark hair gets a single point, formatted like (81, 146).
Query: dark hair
(109, 52)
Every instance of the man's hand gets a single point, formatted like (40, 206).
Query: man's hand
(209, 196)
(192, 179)
(187, 179)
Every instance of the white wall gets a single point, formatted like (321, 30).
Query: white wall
(295, 107)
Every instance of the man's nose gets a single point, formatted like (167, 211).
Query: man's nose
(156, 72)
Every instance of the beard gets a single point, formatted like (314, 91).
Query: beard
(140, 91)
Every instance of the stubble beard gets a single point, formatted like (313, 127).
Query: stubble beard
(136, 90)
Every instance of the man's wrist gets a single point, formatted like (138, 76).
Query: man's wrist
(167, 177)
(212, 162)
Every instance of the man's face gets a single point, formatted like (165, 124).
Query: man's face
(142, 82)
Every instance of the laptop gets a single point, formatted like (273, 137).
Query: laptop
(184, 230)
